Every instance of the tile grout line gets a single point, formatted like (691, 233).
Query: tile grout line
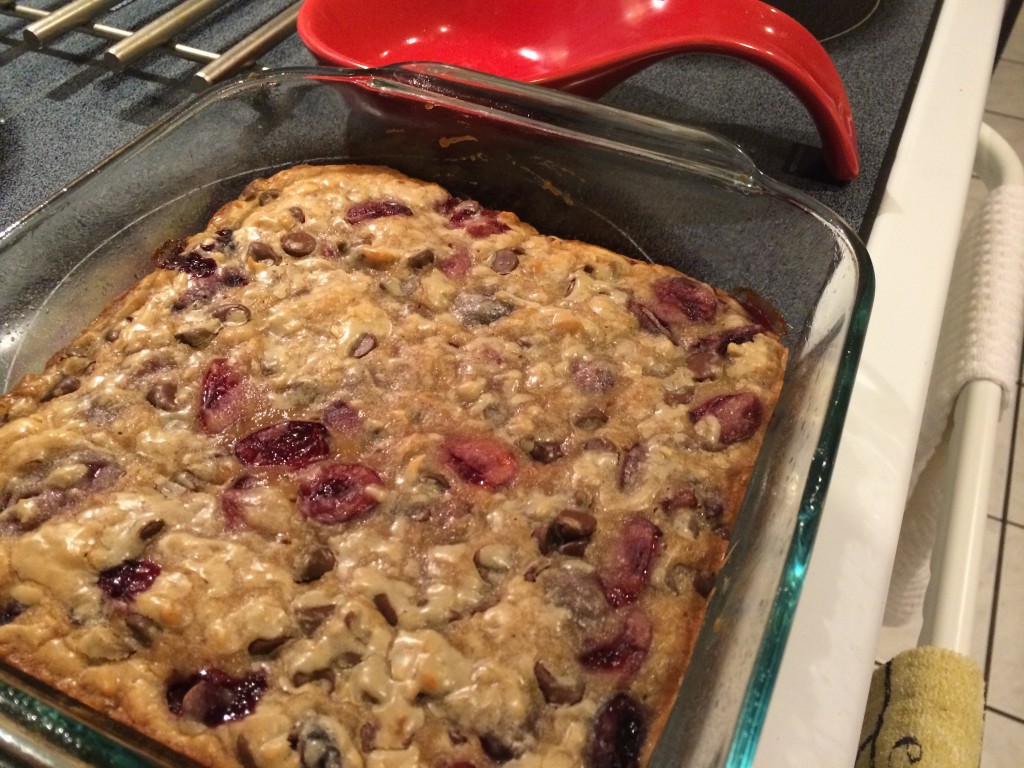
(1015, 718)
(1005, 115)
(994, 614)
(1007, 523)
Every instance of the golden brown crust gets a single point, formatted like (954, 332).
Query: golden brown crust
(366, 470)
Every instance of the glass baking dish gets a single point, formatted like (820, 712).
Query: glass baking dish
(572, 168)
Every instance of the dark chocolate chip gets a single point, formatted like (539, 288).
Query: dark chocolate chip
(151, 528)
(260, 251)
(364, 345)
(600, 444)
(316, 747)
(590, 419)
(163, 396)
(243, 751)
(546, 451)
(314, 564)
(568, 534)
(310, 619)
(679, 397)
(535, 569)
(421, 259)
(495, 748)
(387, 610)
(10, 610)
(556, 690)
(267, 646)
(713, 509)
(683, 578)
(198, 337)
(504, 261)
(629, 466)
(298, 244)
(298, 214)
(143, 628)
(233, 314)
(300, 679)
(65, 386)
(704, 582)
(267, 195)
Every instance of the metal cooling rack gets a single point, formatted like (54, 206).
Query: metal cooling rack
(129, 45)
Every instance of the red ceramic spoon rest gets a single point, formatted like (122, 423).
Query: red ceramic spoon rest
(587, 48)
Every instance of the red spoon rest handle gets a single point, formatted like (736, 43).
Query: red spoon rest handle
(755, 32)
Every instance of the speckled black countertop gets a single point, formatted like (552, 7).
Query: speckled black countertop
(62, 111)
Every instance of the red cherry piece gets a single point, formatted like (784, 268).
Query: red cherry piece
(213, 697)
(761, 311)
(458, 210)
(233, 505)
(719, 342)
(481, 461)
(471, 216)
(484, 227)
(376, 209)
(458, 264)
(739, 415)
(221, 396)
(342, 417)
(683, 297)
(591, 377)
(335, 493)
(171, 256)
(625, 650)
(684, 498)
(285, 444)
(625, 571)
(128, 579)
(617, 738)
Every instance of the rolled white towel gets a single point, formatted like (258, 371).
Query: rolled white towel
(981, 338)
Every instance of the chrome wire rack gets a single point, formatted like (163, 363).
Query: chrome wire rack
(155, 32)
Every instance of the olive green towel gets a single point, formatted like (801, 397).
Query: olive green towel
(925, 709)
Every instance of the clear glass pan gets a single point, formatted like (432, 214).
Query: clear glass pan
(571, 168)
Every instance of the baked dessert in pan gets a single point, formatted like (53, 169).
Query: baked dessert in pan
(365, 474)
